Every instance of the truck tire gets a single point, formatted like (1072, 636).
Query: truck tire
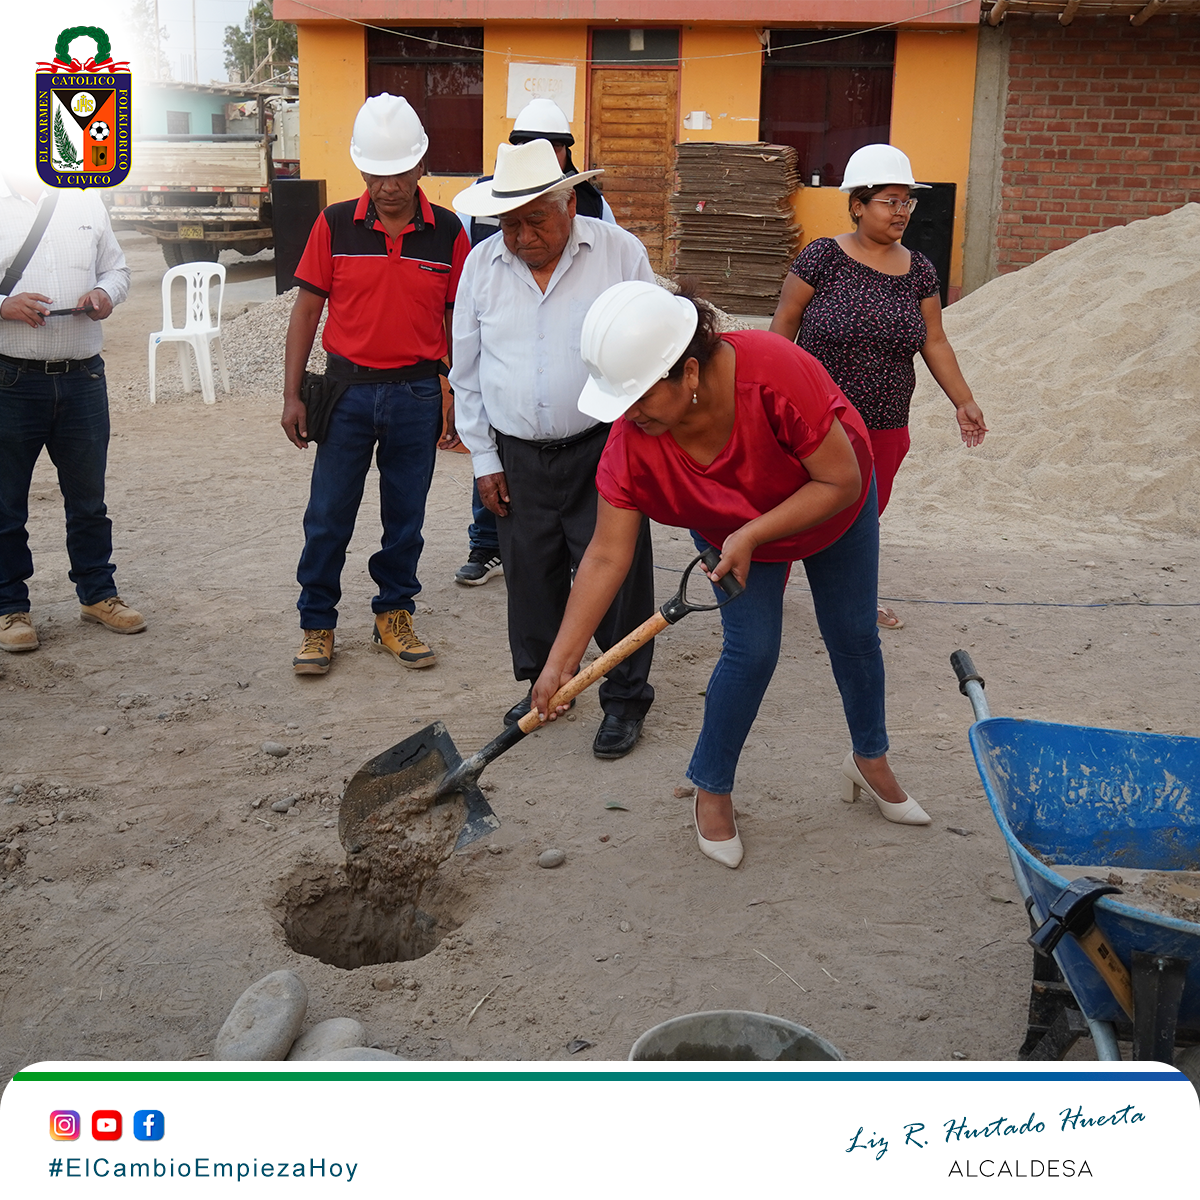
(177, 253)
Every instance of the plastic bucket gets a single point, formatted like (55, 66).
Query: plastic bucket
(732, 1036)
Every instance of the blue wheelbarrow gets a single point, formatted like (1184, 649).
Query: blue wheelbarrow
(1082, 810)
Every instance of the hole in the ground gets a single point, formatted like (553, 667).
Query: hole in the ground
(325, 918)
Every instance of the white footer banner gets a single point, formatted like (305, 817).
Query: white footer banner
(599, 1129)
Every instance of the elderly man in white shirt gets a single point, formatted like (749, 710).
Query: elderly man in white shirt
(53, 397)
(516, 377)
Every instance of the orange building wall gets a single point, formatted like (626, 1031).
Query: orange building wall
(333, 85)
(933, 100)
(936, 13)
(509, 43)
(721, 73)
(932, 106)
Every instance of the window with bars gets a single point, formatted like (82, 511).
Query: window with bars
(828, 95)
(439, 71)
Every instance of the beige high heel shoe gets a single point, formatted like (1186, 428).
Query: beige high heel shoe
(908, 813)
(728, 853)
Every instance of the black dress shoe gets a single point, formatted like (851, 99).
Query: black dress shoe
(521, 707)
(616, 736)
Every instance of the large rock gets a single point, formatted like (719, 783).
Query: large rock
(358, 1054)
(265, 1021)
(338, 1033)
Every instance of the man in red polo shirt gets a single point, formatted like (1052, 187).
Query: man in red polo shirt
(387, 264)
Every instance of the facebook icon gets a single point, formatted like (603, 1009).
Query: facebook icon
(148, 1125)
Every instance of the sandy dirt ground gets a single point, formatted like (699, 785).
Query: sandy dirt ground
(141, 889)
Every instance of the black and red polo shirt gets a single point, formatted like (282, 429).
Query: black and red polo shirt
(387, 299)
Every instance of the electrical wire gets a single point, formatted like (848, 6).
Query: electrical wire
(1008, 603)
(559, 59)
(1051, 603)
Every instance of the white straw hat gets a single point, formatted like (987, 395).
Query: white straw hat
(523, 173)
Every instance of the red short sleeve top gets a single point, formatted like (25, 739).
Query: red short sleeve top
(387, 298)
(785, 405)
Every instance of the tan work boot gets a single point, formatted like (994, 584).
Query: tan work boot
(17, 632)
(394, 633)
(316, 652)
(113, 614)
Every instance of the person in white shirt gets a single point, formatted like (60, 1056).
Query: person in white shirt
(53, 397)
(516, 377)
(540, 118)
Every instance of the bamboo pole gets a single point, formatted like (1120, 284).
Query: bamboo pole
(1142, 17)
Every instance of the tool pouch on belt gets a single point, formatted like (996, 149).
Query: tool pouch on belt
(320, 395)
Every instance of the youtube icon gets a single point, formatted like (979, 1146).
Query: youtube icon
(106, 1125)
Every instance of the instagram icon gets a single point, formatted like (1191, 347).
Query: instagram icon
(64, 1125)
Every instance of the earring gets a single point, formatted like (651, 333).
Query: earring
(694, 398)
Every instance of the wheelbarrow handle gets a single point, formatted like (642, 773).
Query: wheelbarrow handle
(964, 668)
(970, 683)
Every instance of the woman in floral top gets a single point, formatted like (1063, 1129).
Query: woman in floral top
(864, 305)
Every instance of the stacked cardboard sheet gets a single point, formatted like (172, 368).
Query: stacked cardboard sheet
(733, 225)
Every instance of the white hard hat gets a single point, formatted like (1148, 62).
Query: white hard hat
(876, 166)
(523, 173)
(388, 137)
(632, 336)
(541, 118)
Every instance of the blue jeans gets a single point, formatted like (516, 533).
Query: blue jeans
(401, 423)
(68, 416)
(844, 581)
(482, 533)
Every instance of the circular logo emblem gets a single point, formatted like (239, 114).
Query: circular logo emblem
(83, 105)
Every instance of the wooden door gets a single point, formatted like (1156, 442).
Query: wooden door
(632, 136)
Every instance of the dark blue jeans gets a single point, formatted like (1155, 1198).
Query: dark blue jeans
(400, 423)
(68, 416)
(844, 579)
(482, 533)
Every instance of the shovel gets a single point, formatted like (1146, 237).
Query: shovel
(428, 763)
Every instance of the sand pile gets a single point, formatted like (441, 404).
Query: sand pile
(1087, 367)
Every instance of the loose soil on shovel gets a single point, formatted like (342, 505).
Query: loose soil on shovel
(145, 879)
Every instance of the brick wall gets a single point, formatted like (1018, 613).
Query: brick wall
(1102, 127)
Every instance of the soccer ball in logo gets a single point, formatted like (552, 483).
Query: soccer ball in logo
(98, 131)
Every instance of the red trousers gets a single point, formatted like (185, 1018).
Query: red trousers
(889, 446)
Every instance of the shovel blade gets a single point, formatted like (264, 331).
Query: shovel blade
(480, 819)
(416, 765)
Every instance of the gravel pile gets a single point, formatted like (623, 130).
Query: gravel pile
(254, 343)
(254, 346)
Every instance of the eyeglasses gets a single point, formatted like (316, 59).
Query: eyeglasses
(904, 206)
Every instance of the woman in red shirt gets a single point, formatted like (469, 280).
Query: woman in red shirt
(744, 439)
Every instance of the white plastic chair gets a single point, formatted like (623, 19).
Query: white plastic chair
(201, 328)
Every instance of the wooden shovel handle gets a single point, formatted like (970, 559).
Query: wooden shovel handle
(1111, 968)
(648, 629)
